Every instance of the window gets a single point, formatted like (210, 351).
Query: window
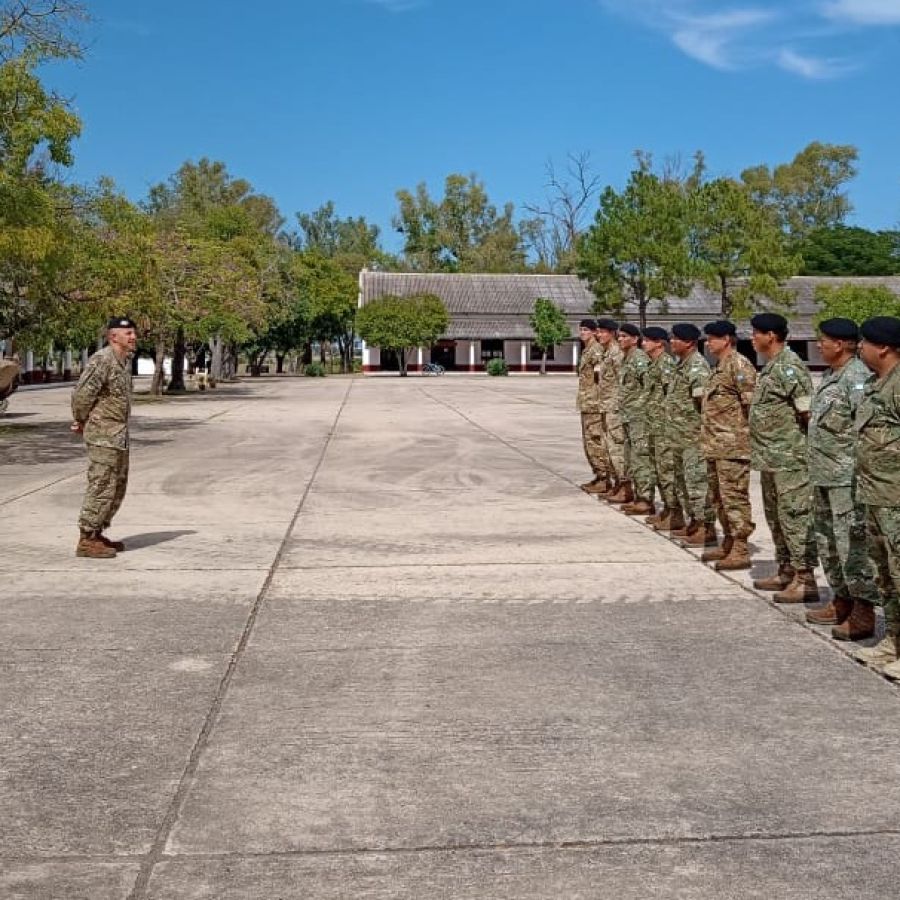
(537, 353)
(491, 350)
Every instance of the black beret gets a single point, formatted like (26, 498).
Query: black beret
(770, 322)
(120, 322)
(607, 325)
(628, 328)
(842, 329)
(720, 328)
(884, 330)
(655, 333)
(588, 323)
(684, 331)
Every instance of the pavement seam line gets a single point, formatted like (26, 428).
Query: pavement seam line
(157, 848)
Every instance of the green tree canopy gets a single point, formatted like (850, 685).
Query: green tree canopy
(548, 322)
(843, 250)
(856, 301)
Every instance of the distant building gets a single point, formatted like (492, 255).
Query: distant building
(489, 316)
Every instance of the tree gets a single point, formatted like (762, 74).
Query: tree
(738, 249)
(856, 301)
(842, 250)
(402, 323)
(548, 322)
(41, 29)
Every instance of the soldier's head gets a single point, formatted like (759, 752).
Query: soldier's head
(770, 331)
(629, 336)
(684, 339)
(720, 336)
(606, 331)
(880, 345)
(586, 330)
(655, 340)
(837, 340)
(121, 335)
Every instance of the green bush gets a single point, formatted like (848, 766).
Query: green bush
(357, 365)
(315, 370)
(496, 366)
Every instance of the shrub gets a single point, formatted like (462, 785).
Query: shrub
(314, 370)
(496, 366)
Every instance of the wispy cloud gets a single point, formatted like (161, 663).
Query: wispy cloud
(863, 12)
(398, 6)
(813, 68)
(715, 39)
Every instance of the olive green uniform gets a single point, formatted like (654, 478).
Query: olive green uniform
(658, 379)
(588, 405)
(610, 412)
(633, 400)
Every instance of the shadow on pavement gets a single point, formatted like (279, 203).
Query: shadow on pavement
(34, 445)
(150, 538)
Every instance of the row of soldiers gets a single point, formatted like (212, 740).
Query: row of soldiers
(657, 418)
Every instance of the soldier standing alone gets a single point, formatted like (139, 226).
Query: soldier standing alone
(101, 405)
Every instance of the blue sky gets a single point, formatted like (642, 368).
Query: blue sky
(350, 100)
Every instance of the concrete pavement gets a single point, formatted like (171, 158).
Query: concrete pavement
(369, 640)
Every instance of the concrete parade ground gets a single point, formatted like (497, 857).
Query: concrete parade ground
(370, 640)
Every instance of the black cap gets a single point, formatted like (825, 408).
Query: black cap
(120, 322)
(628, 328)
(840, 329)
(684, 331)
(655, 333)
(884, 330)
(720, 328)
(590, 324)
(607, 325)
(769, 322)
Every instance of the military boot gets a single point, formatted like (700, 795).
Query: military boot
(738, 557)
(623, 495)
(637, 508)
(802, 588)
(90, 546)
(597, 486)
(659, 517)
(675, 522)
(714, 553)
(859, 625)
(781, 579)
(118, 546)
(685, 529)
(834, 613)
(885, 652)
(892, 671)
(701, 535)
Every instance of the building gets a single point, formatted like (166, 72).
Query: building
(489, 316)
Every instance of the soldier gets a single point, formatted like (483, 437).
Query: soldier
(608, 393)
(691, 521)
(587, 405)
(659, 376)
(778, 420)
(725, 443)
(633, 399)
(878, 476)
(101, 403)
(839, 518)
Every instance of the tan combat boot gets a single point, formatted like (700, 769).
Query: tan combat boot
(714, 553)
(637, 508)
(597, 486)
(738, 557)
(701, 535)
(659, 517)
(675, 522)
(802, 588)
(834, 613)
(90, 546)
(623, 494)
(685, 530)
(859, 625)
(781, 579)
(885, 652)
(118, 546)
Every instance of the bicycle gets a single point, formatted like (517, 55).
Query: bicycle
(431, 368)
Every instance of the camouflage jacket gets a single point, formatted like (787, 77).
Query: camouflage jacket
(878, 442)
(659, 377)
(725, 429)
(101, 400)
(832, 438)
(683, 399)
(633, 385)
(777, 437)
(608, 378)
(587, 384)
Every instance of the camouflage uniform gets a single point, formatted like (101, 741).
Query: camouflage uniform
(839, 519)
(633, 400)
(587, 405)
(778, 452)
(725, 443)
(101, 402)
(683, 434)
(878, 484)
(658, 379)
(608, 399)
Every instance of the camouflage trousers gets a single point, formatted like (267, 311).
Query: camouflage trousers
(663, 462)
(728, 495)
(690, 484)
(840, 528)
(614, 445)
(638, 464)
(883, 535)
(107, 480)
(787, 502)
(592, 437)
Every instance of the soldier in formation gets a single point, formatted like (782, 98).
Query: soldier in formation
(588, 404)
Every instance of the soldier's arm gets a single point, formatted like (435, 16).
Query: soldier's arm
(86, 392)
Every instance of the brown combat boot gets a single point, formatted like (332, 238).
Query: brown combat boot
(802, 588)
(597, 486)
(623, 495)
(637, 508)
(835, 613)
(781, 579)
(118, 546)
(701, 535)
(90, 546)
(859, 625)
(884, 653)
(715, 553)
(659, 517)
(685, 529)
(738, 557)
(675, 522)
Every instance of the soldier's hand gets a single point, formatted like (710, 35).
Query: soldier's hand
(76, 428)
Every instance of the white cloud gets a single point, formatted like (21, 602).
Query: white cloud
(716, 39)
(811, 67)
(863, 12)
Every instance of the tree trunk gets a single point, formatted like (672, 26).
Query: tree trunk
(279, 363)
(158, 374)
(726, 300)
(306, 358)
(543, 362)
(231, 362)
(216, 365)
(176, 382)
(401, 355)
